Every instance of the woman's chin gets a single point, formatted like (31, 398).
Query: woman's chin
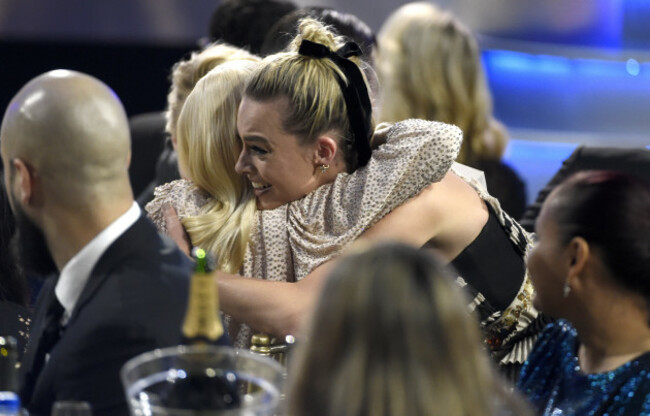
(265, 204)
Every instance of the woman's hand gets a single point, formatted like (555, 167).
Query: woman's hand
(175, 229)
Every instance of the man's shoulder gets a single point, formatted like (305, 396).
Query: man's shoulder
(141, 269)
(143, 245)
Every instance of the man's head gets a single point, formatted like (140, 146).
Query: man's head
(65, 147)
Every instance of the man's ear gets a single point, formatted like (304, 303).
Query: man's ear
(326, 149)
(24, 180)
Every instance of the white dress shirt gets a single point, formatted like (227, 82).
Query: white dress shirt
(76, 272)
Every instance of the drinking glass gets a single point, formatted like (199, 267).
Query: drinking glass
(150, 380)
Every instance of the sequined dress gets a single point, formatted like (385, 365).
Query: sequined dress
(552, 380)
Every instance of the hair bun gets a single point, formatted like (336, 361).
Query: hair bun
(317, 32)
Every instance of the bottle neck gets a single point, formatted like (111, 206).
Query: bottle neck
(202, 321)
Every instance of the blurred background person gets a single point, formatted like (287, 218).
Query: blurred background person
(245, 23)
(591, 267)
(391, 335)
(15, 313)
(429, 67)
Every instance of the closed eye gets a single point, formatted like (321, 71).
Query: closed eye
(258, 150)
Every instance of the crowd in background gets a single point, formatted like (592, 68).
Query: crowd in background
(337, 178)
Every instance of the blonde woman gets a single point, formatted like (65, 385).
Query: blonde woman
(429, 67)
(216, 205)
(184, 76)
(305, 125)
(303, 141)
(391, 335)
(186, 73)
(289, 239)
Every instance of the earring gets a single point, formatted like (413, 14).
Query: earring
(566, 290)
(323, 168)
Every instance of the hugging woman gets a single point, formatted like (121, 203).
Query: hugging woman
(305, 125)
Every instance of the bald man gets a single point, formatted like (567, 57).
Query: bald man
(121, 287)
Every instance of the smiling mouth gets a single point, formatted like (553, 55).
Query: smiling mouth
(260, 186)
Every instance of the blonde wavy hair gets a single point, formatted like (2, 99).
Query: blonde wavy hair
(316, 103)
(186, 73)
(429, 67)
(208, 148)
(391, 335)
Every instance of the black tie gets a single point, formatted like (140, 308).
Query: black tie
(50, 336)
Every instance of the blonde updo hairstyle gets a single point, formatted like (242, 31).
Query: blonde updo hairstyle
(429, 67)
(208, 148)
(316, 102)
(186, 73)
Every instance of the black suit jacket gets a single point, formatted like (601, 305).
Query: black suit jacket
(148, 139)
(633, 161)
(134, 301)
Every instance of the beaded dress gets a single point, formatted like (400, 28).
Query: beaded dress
(552, 380)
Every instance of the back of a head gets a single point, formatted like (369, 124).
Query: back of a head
(611, 211)
(245, 23)
(208, 145)
(316, 102)
(186, 73)
(73, 130)
(345, 24)
(208, 148)
(390, 324)
(429, 66)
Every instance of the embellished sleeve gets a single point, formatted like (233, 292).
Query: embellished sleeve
(182, 194)
(415, 154)
(542, 370)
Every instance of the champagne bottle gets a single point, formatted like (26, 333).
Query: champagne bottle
(204, 388)
(202, 323)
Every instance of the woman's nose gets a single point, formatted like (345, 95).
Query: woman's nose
(242, 165)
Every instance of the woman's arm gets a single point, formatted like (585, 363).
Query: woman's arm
(276, 308)
(449, 212)
(446, 217)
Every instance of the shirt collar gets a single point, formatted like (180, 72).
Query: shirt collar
(76, 272)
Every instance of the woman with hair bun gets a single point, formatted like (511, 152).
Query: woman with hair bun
(315, 200)
(305, 123)
(591, 267)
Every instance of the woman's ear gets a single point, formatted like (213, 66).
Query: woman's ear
(579, 252)
(326, 149)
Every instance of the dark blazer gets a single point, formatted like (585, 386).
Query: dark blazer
(134, 301)
(148, 139)
(633, 161)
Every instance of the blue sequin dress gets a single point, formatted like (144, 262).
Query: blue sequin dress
(552, 381)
